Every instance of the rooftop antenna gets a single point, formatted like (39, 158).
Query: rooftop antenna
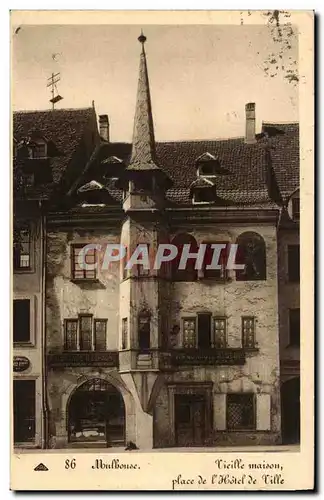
(51, 82)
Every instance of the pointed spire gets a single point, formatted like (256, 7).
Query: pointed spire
(143, 150)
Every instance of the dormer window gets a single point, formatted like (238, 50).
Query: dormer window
(205, 195)
(37, 149)
(209, 169)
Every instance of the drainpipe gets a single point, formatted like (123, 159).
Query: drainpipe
(43, 330)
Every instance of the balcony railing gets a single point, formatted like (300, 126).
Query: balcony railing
(84, 358)
(209, 357)
(154, 359)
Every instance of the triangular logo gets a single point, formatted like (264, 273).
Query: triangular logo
(41, 467)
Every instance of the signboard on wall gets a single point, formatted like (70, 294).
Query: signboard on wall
(20, 363)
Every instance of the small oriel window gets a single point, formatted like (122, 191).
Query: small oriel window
(240, 412)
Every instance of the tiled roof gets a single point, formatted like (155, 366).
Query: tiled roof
(285, 155)
(63, 127)
(246, 164)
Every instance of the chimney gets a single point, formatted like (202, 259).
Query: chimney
(250, 123)
(104, 127)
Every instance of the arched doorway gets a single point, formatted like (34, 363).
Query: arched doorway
(96, 415)
(290, 411)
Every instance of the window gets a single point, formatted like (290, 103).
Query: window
(141, 269)
(21, 320)
(252, 253)
(38, 150)
(189, 273)
(124, 333)
(295, 203)
(85, 334)
(248, 331)
(144, 331)
(294, 327)
(293, 263)
(71, 334)
(220, 333)
(204, 195)
(240, 412)
(204, 330)
(28, 179)
(90, 258)
(216, 274)
(100, 332)
(24, 410)
(22, 247)
(189, 333)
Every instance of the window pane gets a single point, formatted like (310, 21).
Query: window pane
(85, 333)
(248, 332)
(295, 208)
(100, 334)
(21, 251)
(89, 258)
(240, 411)
(21, 320)
(71, 331)
(189, 332)
(220, 332)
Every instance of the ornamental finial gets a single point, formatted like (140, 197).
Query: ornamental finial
(142, 38)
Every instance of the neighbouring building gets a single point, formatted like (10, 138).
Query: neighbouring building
(169, 357)
(46, 144)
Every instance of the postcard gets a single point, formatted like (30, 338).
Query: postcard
(162, 241)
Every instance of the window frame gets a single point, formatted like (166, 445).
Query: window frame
(32, 321)
(193, 318)
(85, 278)
(214, 319)
(31, 267)
(253, 426)
(78, 333)
(290, 311)
(243, 337)
(223, 272)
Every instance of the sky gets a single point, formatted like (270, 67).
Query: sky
(201, 76)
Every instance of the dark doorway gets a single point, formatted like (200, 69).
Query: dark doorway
(204, 324)
(190, 419)
(290, 411)
(24, 410)
(97, 415)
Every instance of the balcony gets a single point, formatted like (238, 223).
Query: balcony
(107, 359)
(207, 357)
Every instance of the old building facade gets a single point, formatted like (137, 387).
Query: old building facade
(170, 357)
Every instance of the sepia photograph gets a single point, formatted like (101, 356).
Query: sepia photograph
(156, 283)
